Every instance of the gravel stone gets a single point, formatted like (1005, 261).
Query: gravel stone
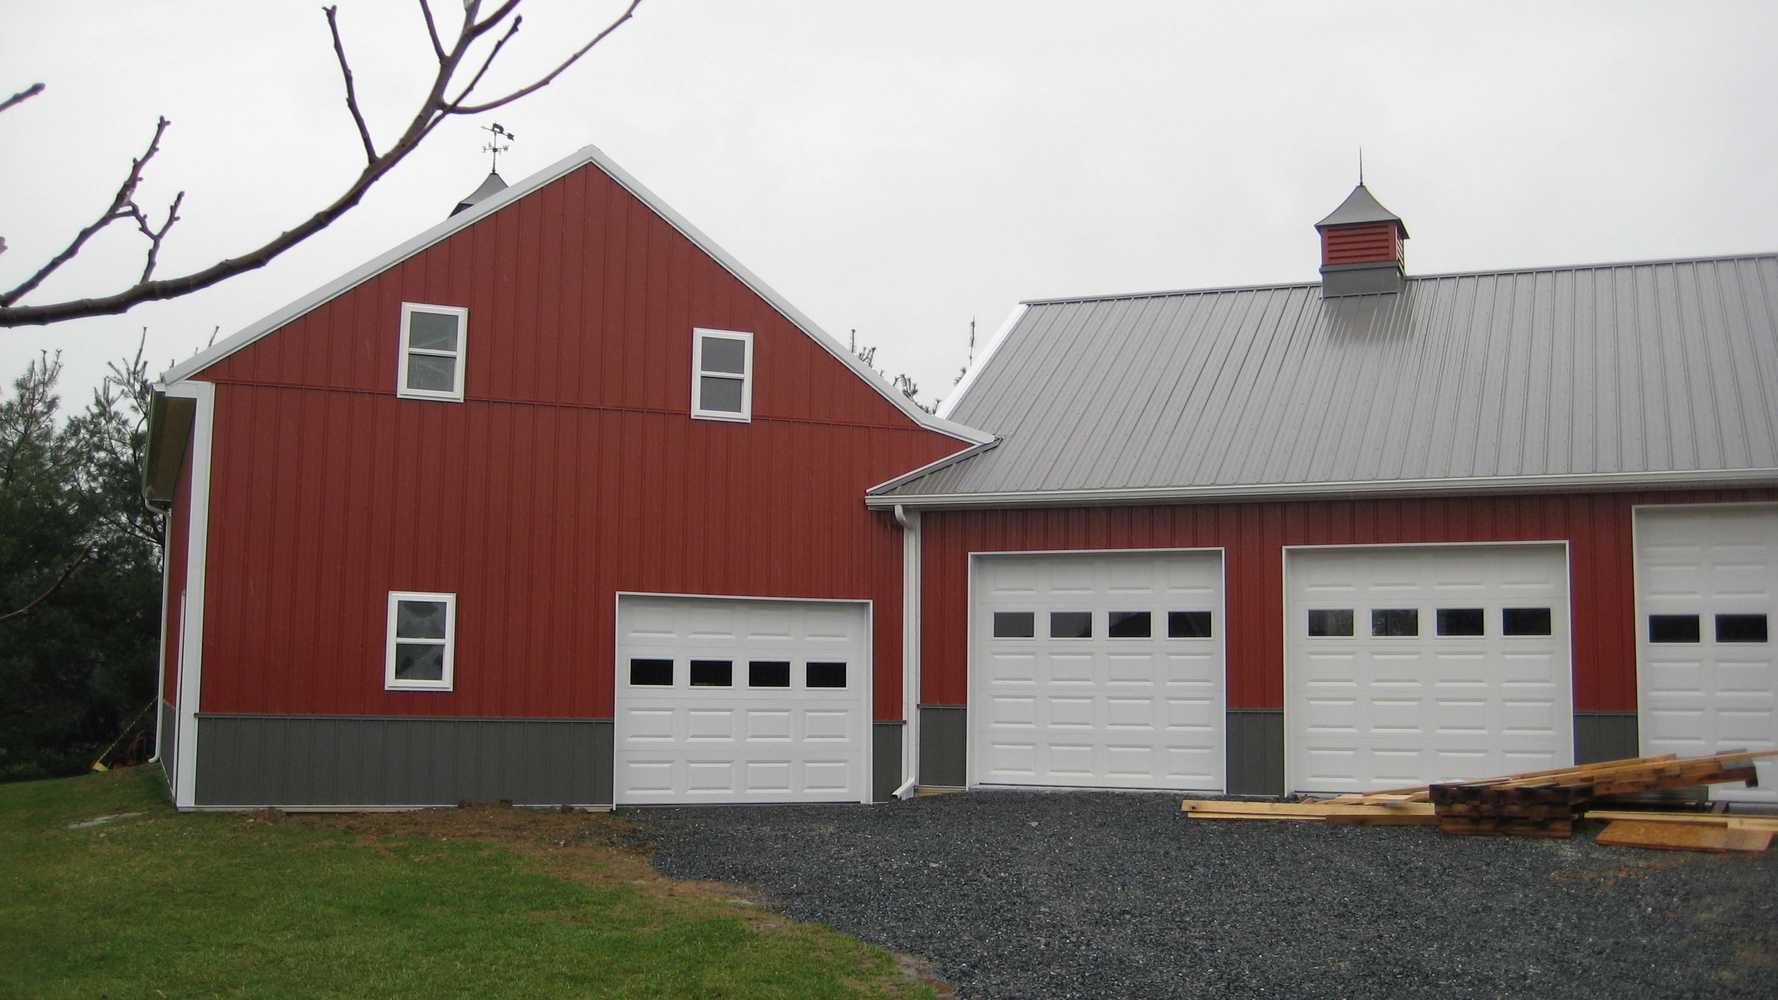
(1107, 894)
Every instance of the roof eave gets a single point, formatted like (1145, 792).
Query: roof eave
(1569, 483)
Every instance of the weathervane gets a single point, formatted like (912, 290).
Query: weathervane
(495, 146)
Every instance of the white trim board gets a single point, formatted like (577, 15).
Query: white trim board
(949, 404)
(191, 632)
(1577, 483)
(574, 161)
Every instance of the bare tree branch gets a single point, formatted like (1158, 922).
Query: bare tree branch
(432, 31)
(21, 97)
(339, 49)
(476, 109)
(123, 206)
(432, 110)
(66, 573)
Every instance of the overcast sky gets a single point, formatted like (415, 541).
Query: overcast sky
(901, 168)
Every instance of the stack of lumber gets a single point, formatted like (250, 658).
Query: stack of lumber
(1538, 803)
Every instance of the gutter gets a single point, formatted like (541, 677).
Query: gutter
(1585, 482)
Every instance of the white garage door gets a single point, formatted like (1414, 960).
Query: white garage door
(1406, 665)
(726, 700)
(1706, 596)
(1098, 670)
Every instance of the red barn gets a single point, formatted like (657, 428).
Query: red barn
(558, 503)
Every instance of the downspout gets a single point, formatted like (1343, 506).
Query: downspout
(910, 649)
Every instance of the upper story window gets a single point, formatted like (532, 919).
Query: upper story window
(432, 349)
(722, 375)
(422, 637)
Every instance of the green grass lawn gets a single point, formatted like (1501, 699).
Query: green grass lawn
(471, 902)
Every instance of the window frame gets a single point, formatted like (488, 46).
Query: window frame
(698, 335)
(445, 682)
(401, 387)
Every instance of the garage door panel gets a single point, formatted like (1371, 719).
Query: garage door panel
(1369, 711)
(735, 741)
(1706, 695)
(1117, 708)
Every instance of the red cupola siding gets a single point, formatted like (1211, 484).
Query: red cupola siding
(1361, 246)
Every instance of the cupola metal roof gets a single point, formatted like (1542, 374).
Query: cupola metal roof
(1361, 206)
(492, 186)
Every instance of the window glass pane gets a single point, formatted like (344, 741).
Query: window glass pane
(720, 394)
(1740, 628)
(1672, 628)
(420, 619)
(1525, 621)
(1460, 621)
(1014, 624)
(1330, 621)
(431, 372)
(1188, 625)
(1128, 625)
(419, 661)
(825, 675)
(651, 673)
(1395, 621)
(431, 331)
(1071, 624)
(768, 674)
(712, 673)
(723, 354)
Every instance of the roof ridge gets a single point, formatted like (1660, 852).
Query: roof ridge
(1281, 285)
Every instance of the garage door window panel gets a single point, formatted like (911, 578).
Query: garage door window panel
(824, 674)
(648, 672)
(1395, 623)
(768, 674)
(712, 673)
(1015, 624)
(1525, 621)
(1129, 625)
(1673, 628)
(1461, 621)
(1189, 625)
(1741, 628)
(1071, 625)
(1330, 622)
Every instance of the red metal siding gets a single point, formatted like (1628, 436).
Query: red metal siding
(1596, 526)
(1360, 244)
(571, 472)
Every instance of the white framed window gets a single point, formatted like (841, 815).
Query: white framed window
(722, 375)
(433, 344)
(422, 641)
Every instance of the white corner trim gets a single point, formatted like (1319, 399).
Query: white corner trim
(698, 336)
(1582, 482)
(454, 395)
(946, 408)
(160, 673)
(444, 683)
(487, 207)
(910, 649)
(191, 633)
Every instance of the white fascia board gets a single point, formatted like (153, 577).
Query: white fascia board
(1682, 479)
(949, 405)
(933, 466)
(586, 155)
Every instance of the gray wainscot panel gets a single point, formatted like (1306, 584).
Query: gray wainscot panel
(1604, 736)
(885, 759)
(944, 739)
(255, 760)
(1256, 751)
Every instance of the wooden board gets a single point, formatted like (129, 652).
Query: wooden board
(1730, 820)
(1398, 814)
(1684, 836)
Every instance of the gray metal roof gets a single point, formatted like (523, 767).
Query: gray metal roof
(492, 185)
(1361, 206)
(1556, 377)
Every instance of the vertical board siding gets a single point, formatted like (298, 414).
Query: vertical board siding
(1596, 527)
(571, 471)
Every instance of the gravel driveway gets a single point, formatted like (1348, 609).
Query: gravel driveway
(1088, 894)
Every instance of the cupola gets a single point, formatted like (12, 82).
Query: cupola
(1361, 247)
(490, 187)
